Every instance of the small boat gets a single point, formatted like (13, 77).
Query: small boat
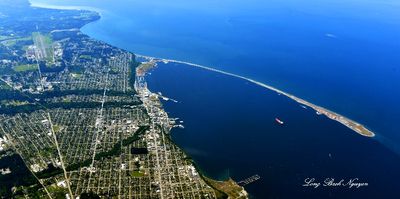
(279, 121)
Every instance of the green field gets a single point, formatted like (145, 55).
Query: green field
(46, 38)
(45, 45)
(13, 102)
(137, 174)
(2, 37)
(4, 86)
(13, 41)
(76, 75)
(85, 57)
(25, 67)
(56, 128)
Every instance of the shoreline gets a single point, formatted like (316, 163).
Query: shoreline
(349, 123)
(223, 188)
(227, 187)
(59, 7)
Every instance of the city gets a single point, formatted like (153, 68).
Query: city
(79, 119)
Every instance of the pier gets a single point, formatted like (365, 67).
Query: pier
(249, 180)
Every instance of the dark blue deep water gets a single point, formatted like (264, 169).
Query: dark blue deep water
(230, 130)
(340, 54)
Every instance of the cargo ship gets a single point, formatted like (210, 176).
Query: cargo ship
(279, 121)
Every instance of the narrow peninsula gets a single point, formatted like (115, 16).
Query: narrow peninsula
(353, 125)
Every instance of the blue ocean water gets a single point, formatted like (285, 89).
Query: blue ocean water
(342, 55)
(230, 131)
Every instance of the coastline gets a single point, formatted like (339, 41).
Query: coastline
(349, 123)
(292, 97)
(225, 189)
(353, 125)
(57, 7)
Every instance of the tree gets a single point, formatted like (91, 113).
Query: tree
(89, 195)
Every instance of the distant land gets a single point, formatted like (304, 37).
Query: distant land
(76, 121)
(352, 124)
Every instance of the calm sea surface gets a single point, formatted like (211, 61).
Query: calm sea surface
(343, 55)
(230, 130)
